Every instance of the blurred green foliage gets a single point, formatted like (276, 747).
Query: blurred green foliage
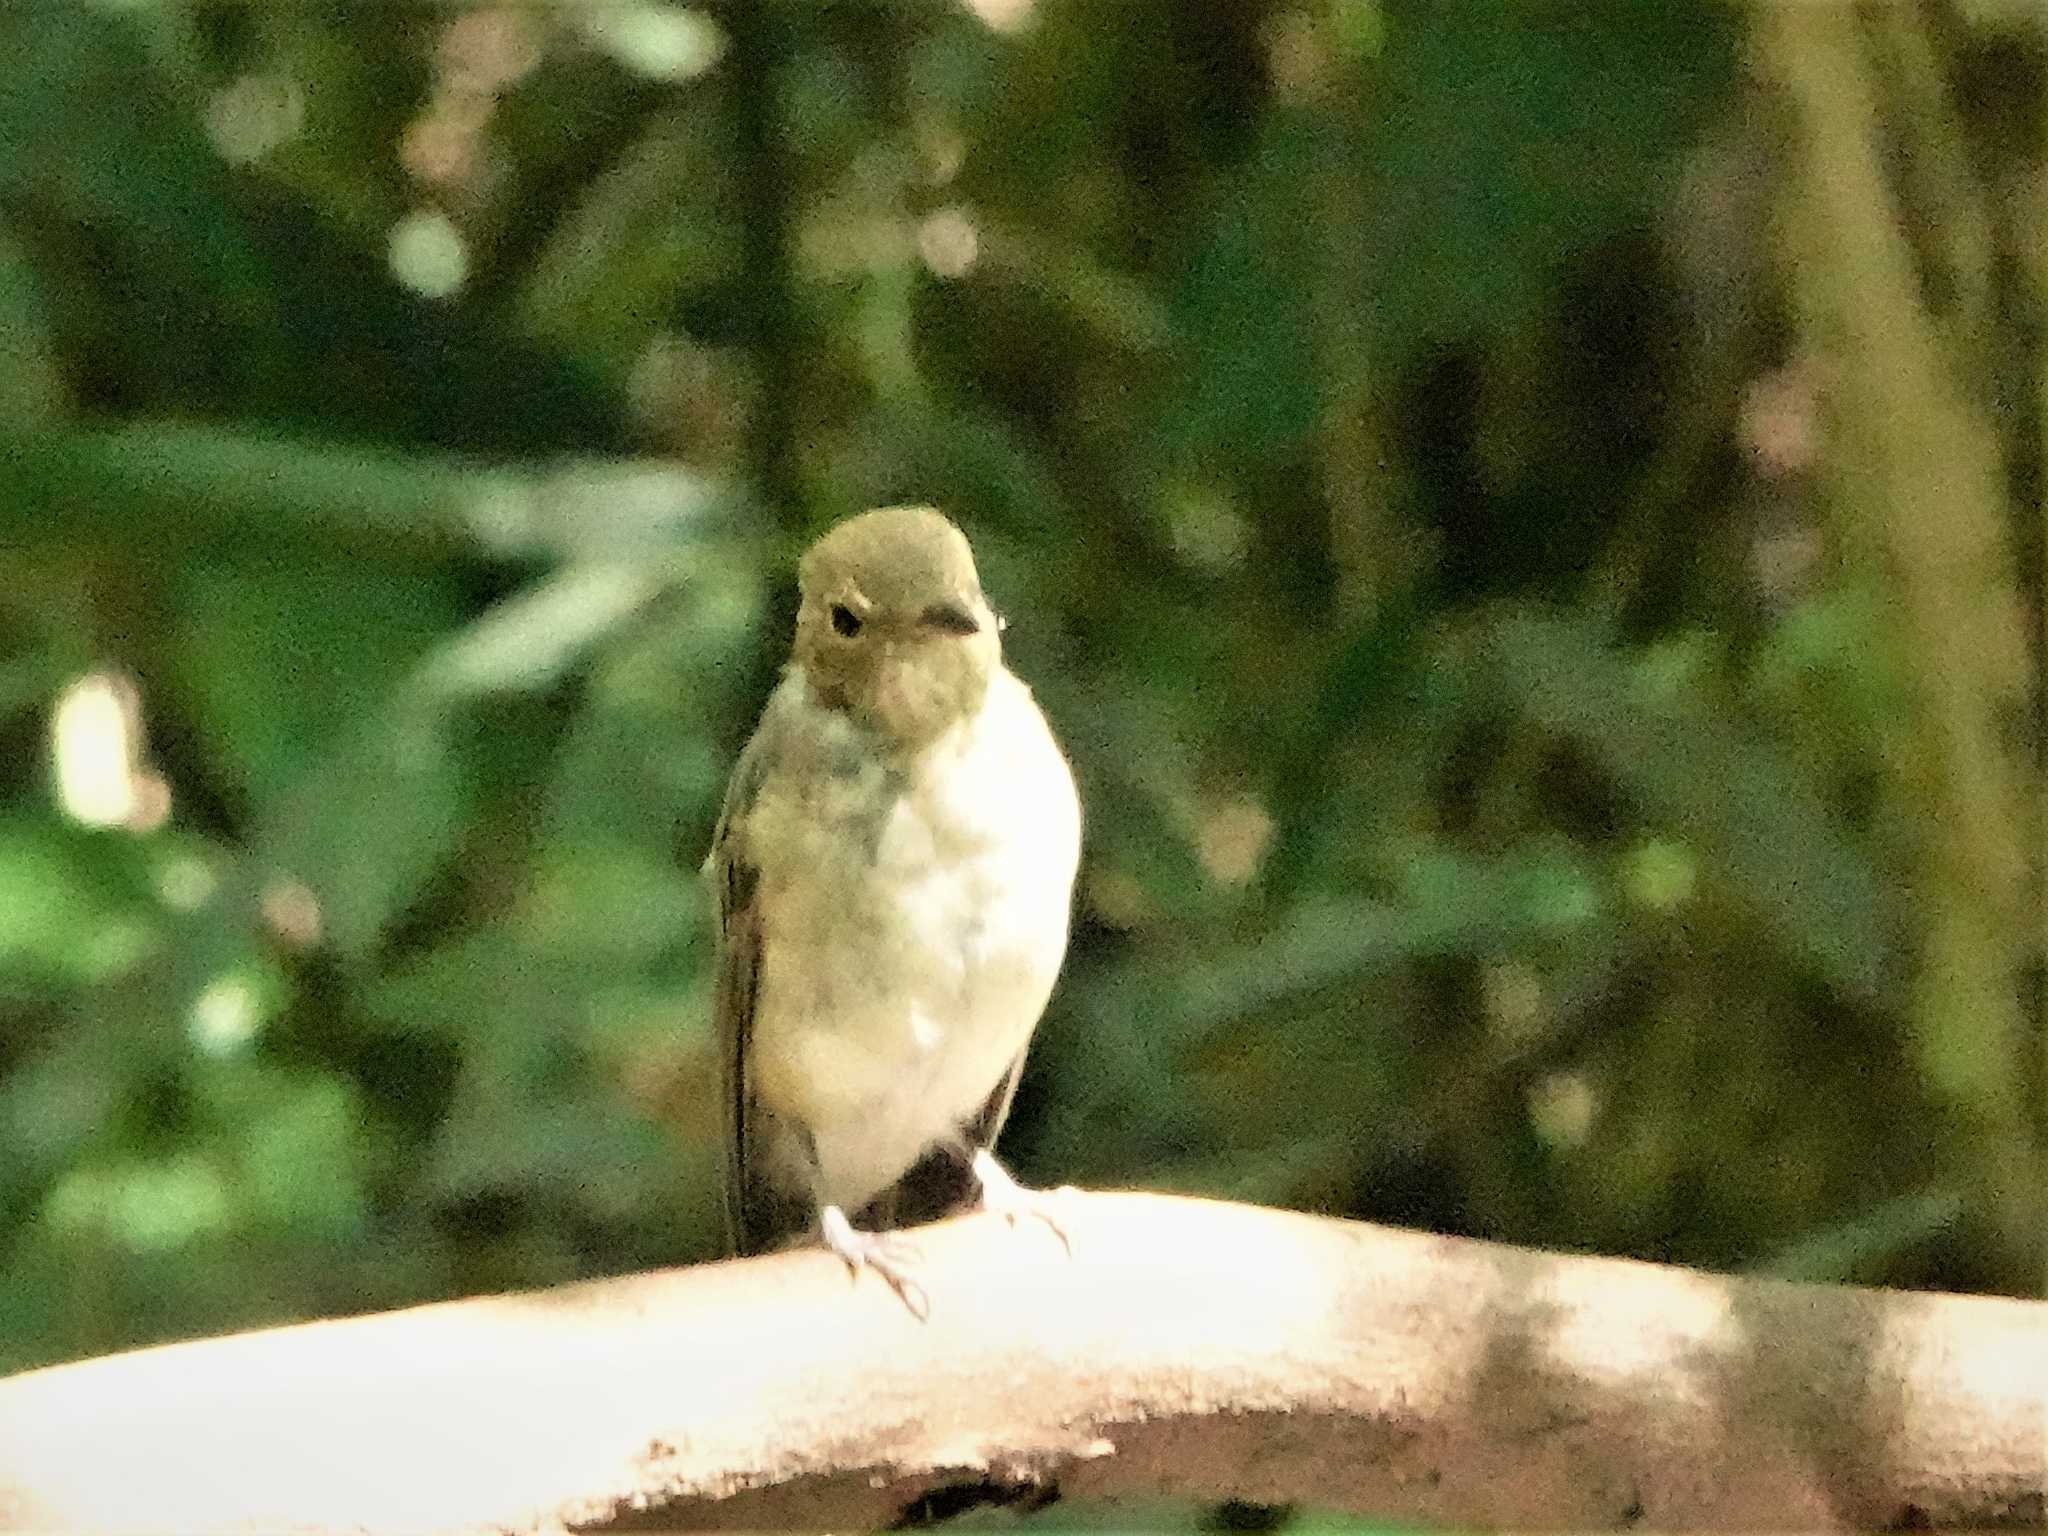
(1384, 423)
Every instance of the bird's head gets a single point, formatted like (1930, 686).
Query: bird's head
(893, 628)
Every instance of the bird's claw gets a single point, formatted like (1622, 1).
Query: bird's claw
(886, 1254)
(1010, 1200)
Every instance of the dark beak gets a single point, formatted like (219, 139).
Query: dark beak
(951, 619)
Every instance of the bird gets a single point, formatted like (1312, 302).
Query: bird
(893, 874)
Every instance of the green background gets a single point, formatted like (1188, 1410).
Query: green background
(1426, 453)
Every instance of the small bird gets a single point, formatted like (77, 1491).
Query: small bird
(894, 872)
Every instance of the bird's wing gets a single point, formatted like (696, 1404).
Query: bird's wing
(987, 1124)
(735, 880)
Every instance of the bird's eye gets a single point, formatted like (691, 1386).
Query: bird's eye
(845, 622)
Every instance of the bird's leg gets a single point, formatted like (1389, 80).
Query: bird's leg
(1010, 1200)
(887, 1255)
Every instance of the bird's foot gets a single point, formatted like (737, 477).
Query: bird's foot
(1010, 1200)
(886, 1254)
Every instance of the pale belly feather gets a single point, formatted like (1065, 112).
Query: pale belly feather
(902, 973)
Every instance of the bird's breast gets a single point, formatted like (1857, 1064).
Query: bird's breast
(910, 943)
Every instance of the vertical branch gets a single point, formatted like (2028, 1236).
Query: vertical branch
(1919, 505)
(1952, 220)
(1352, 429)
(884, 323)
(2031, 239)
(762, 33)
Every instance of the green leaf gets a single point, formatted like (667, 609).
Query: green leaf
(624, 903)
(646, 760)
(187, 485)
(293, 1138)
(74, 906)
(1455, 905)
(31, 376)
(586, 1149)
(144, 172)
(530, 640)
(1749, 814)
(58, 1102)
(1373, 685)
(1862, 1246)
(283, 660)
(1113, 309)
(1502, 140)
(144, 1206)
(1247, 301)
(649, 227)
(490, 990)
(367, 825)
